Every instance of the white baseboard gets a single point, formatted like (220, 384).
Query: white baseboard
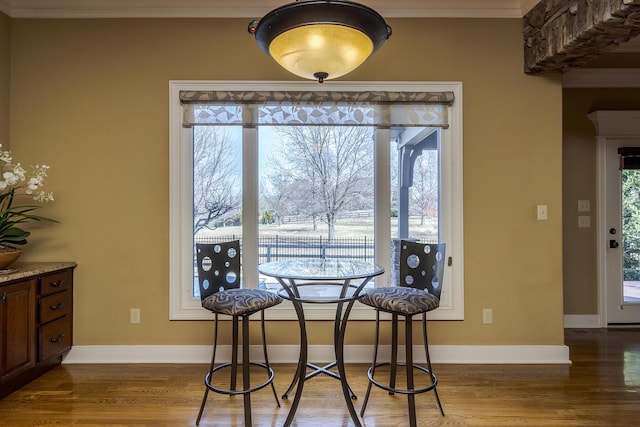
(467, 354)
(582, 321)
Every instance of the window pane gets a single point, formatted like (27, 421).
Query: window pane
(415, 184)
(316, 192)
(631, 234)
(423, 198)
(217, 186)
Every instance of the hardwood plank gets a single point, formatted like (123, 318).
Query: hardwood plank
(600, 388)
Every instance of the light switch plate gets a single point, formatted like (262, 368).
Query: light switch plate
(584, 205)
(487, 316)
(584, 221)
(134, 316)
(542, 212)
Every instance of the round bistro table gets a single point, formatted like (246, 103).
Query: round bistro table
(321, 281)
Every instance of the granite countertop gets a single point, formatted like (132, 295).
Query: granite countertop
(21, 270)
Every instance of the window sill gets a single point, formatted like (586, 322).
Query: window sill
(285, 311)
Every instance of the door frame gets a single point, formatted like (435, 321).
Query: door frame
(610, 124)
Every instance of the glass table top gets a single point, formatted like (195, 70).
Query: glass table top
(320, 269)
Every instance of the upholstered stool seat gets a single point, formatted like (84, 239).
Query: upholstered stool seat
(240, 302)
(405, 301)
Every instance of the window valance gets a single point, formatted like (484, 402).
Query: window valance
(329, 108)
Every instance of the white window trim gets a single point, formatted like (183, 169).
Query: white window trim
(183, 307)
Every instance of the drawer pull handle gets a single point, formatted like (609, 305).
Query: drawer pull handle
(58, 284)
(59, 339)
(56, 306)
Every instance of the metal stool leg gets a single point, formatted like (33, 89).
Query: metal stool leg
(213, 361)
(394, 352)
(246, 380)
(266, 357)
(426, 351)
(411, 397)
(234, 353)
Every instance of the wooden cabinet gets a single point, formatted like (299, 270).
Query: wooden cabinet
(17, 331)
(36, 321)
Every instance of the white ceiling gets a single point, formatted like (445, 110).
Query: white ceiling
(253, 8)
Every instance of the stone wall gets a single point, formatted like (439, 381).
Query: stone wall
(561, 34)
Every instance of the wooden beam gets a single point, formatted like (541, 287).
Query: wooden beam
(564, 34)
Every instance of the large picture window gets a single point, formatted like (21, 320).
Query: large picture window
(296, 172)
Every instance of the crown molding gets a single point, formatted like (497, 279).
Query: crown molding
(616, 123)
(252, 8)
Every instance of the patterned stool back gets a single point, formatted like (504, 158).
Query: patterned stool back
(218, 267)
(422, 266)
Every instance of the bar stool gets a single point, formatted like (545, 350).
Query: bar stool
(421, 271)
(220, 293)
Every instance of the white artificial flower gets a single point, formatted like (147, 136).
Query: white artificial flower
(10, 177)
(33, 184)
(41, 196)
(5, 156)
(19, 171)
(15, 183)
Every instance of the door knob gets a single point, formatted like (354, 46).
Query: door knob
(613, 244)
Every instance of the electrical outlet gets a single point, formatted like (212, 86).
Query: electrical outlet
(487, 316)
(134, 315)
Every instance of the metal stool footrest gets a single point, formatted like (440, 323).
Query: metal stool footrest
(207, 379)
(434, 379)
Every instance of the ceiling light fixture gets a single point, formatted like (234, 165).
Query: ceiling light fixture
(320, 39)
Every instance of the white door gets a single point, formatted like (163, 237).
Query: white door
(621, 231)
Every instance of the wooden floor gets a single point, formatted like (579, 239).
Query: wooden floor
(600, 388)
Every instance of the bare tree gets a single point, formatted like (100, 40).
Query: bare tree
(215, 192)
(328, 166)
(424, 191)
(276, 193)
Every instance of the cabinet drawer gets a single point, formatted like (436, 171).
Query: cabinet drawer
(55, 338)
(54, 306)
(55, 282)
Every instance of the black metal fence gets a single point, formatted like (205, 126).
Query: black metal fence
(274, 248)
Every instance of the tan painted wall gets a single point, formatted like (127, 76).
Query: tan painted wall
(579, 182)
(5, 50)
(90, 97)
